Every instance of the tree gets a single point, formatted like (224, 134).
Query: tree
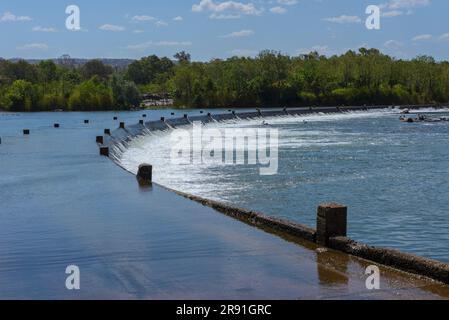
(96, 68)
(182, 57)
(150, 69)
(21, 96)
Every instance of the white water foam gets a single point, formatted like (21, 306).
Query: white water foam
(201, 179)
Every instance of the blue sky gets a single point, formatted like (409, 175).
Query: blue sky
(219, 29)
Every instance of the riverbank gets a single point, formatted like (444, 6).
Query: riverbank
(62, 204)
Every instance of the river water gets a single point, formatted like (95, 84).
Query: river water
(393, 176)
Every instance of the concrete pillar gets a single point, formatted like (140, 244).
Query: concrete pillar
(100, 139)
(122, 125)
(331, 222)
(107, 131)
(145, 174)
(104, 151)
(26, 132)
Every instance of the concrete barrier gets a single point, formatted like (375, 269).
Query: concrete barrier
(104, 151)
(145, 174)
(331, 222)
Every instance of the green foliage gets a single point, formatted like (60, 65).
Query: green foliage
(269, 79)
(47, 86)
(150, 69)
(91, 95)
(21, 96)
(96, 68)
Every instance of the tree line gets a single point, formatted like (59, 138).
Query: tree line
(269, 79)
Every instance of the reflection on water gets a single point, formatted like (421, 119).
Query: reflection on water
(392, 175)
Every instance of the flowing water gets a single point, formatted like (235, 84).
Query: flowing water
(393, 176)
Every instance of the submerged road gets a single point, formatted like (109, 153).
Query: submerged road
(62, 204)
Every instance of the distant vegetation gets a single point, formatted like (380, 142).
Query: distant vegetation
(270, 79)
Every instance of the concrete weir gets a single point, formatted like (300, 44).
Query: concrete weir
(332, 219)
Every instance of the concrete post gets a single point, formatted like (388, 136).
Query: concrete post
(331, 222)
(100, 139)
(104, 151)
(145, 174)
(107, 131)
(26, 132)
(122, 125)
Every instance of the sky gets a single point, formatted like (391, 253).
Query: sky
(220, 29)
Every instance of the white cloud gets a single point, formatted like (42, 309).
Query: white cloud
(392, 13)
(178, 18)
(226, 9)
(10, 17)
(407, 4)
(344, 19)
(444, 37)
(138, 31)
(142, 18)
(393, 44)
(43, 29)
(111, 27)
(278, 10)
(400, 7)
(287, 2)
(34, 46)
(239, 34)
(161, 23)
(422, 37)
